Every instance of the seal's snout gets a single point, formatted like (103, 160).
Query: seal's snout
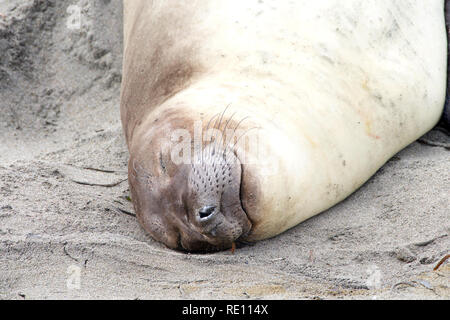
(212, 201)
(206, 212)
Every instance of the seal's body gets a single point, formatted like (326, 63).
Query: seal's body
(332, 88)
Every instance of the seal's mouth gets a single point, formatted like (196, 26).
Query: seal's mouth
(213, 227)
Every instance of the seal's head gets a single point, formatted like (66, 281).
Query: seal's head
(190, 207)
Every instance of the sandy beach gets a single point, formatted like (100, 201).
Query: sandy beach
(67, 227)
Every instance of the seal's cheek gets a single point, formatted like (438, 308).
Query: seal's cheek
(158, 203)
(147, 205)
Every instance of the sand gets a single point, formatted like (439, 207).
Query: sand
(65, 227)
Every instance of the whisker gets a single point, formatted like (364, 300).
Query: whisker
(207, 128)
(218, 130)
(224, 142)
(232, 136)
(237, 141)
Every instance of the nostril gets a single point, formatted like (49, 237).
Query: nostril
(206, 211)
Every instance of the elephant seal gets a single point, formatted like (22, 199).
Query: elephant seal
(330, 90)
